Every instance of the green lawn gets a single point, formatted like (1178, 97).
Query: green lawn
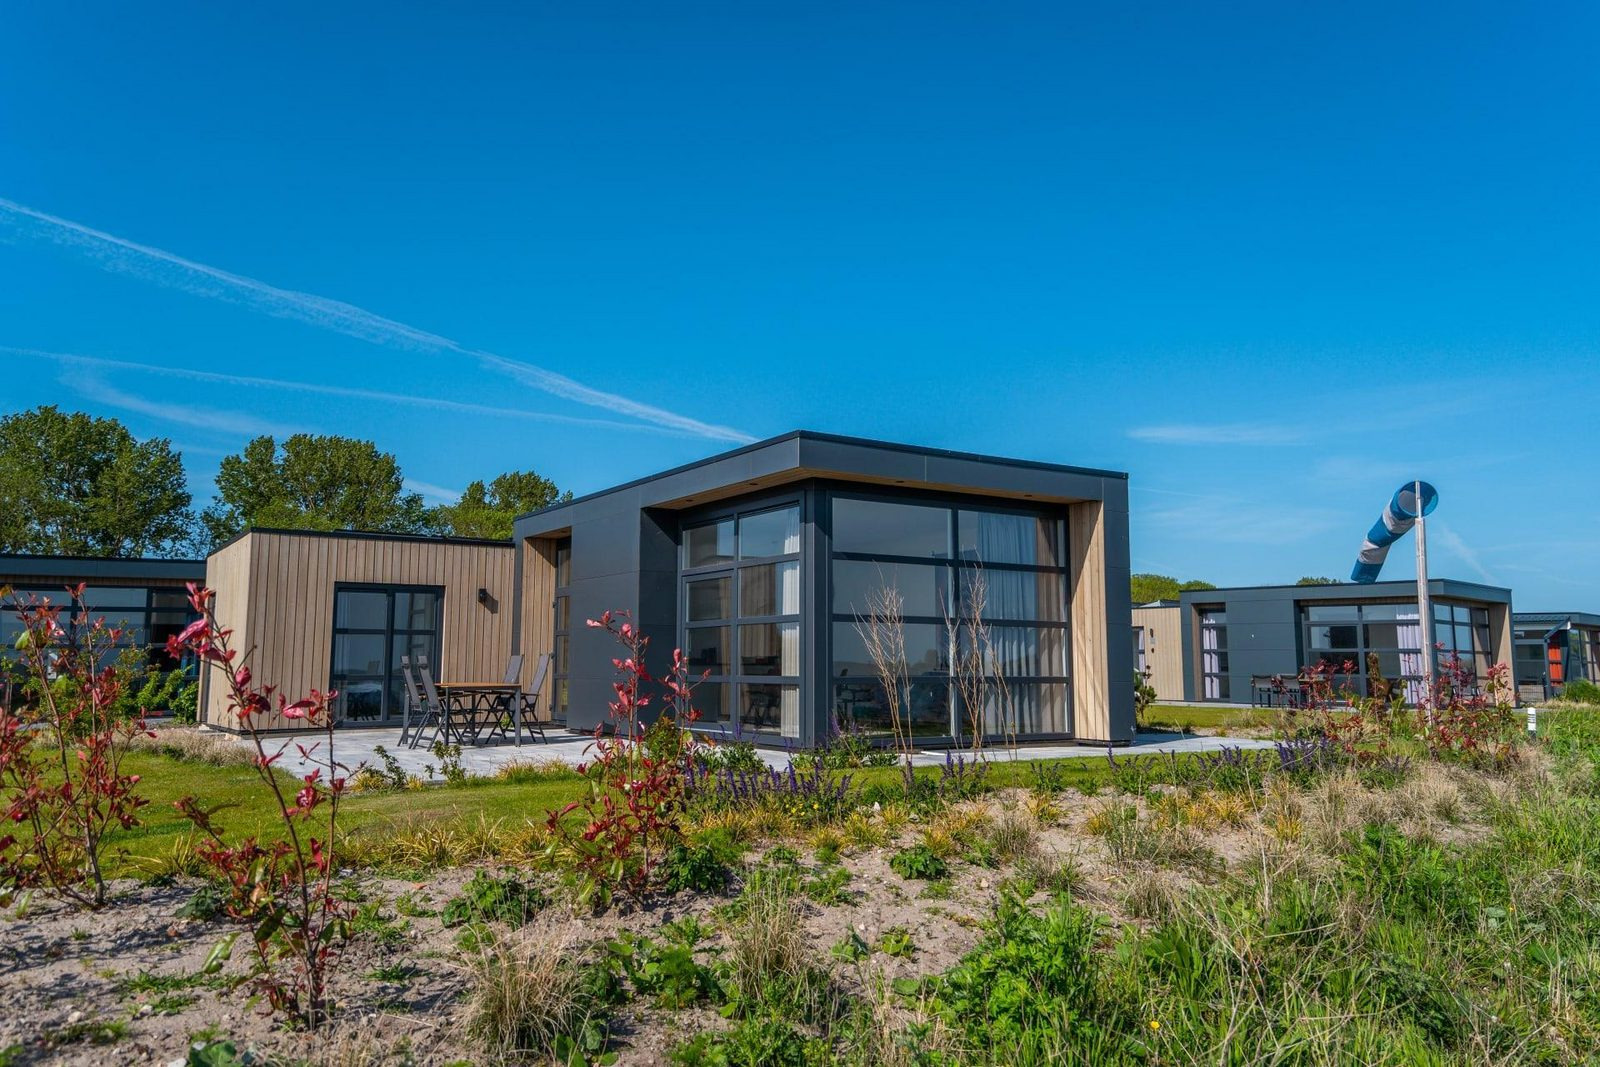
(1183, 718)
(247, 809)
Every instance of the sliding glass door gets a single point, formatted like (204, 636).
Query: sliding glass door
(373, 627)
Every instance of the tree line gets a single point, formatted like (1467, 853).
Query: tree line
(75, 484)
(1148, 588)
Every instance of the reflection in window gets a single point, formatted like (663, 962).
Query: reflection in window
(883, 528)
(373, 629)
(1015, 556)
(770, 589)
(704, 546)
(752, 654)
(927, 650)
(924, 588)
(770, 533)
(996, 537)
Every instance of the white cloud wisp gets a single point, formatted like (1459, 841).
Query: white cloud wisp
(173, 271)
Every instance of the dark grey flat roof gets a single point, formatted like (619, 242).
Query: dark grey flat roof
(1401, 590)
(807, 453)
(99, 568)
(363, 535)
(1556, 618)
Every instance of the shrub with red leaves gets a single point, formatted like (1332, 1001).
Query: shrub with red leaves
(61, 752)
(1469, 722)
(630, 816)
(283, 888)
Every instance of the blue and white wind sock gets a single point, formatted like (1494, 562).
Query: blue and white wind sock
(1398, 517)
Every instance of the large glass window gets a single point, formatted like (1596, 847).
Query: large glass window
(1214, 655)
(741, 619)
(1461, 630)
(887, 528)
(1382, 644)
(942, 559)
(373, 628)
(145, 616)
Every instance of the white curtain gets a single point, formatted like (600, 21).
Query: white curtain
(789, 704)
(1408, 631)
(789, 585)
(789, 642)
(1210, 663)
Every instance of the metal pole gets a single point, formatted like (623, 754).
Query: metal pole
(1424, 605)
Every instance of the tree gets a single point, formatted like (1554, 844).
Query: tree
(75, 485)
(315, 483)
(1149, 587)
(1317, 581)
(490, 511)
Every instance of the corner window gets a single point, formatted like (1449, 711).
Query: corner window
(741, 619)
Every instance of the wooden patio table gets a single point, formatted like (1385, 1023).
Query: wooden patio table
(473, 699)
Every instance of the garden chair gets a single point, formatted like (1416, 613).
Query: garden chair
(434, 713)
(513, 669)
(527, 700)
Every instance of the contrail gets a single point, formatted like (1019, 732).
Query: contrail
(435, 403)
(165, 268)
(204, 418)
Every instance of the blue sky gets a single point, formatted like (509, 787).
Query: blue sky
(1269, 261)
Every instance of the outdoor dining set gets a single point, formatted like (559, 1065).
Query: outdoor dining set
(472, 711)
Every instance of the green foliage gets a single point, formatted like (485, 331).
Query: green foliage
(209, 902)
(490, 510)
(1031, 992)
(1581, 691)
(852, 948)
(919, 861)
(1317, 581)
(1144, 697)
(450, 766)
(704, 865)
(751, 1043)
(729, 756)
(314, 483)
(897, 941)
(1150, 587)
(217, 1053)
(72, 484)
(669, 974)
(485, 898)
(154, 691)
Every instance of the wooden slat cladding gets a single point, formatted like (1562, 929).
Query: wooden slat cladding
(1163, 642)
(228, 576)
(277, 590)
(538, 618)
(1091, 688)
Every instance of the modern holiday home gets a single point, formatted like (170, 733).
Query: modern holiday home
(1240, 645)
(763, 564)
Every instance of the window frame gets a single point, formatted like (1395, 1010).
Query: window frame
(391, 589)
(735, 680)
(953, 566)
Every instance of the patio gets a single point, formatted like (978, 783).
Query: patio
(358, 746)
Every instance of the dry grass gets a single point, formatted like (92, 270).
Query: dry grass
(192, 743)
(526, 992)
(863, 831)
(1014, 836)
(769, 953)
(441, 841)
(1155, 897)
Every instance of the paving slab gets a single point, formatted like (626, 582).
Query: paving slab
(359, 746)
